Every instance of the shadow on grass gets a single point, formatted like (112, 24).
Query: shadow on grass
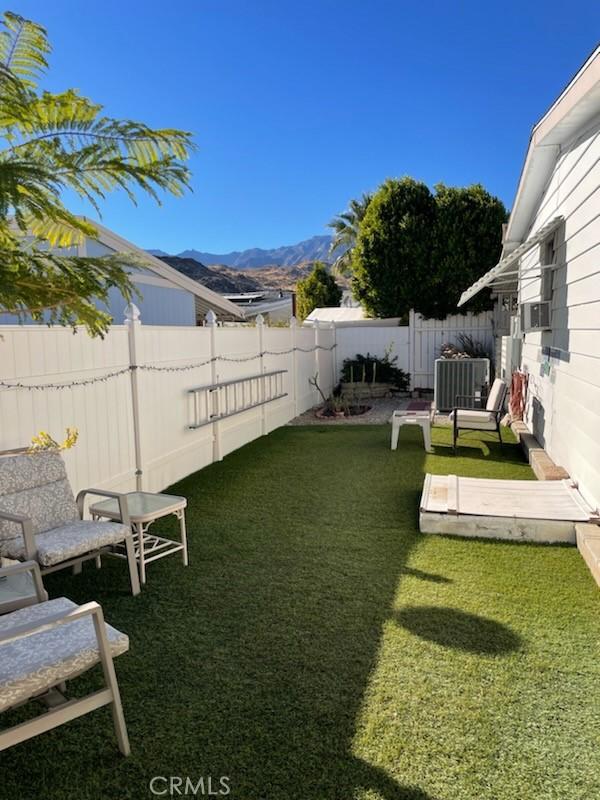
(459, 630)
(426, 576)
(254, 661)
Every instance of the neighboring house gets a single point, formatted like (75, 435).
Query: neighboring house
(167, 296)
(551, 260)
(347, 315)
(276, 307)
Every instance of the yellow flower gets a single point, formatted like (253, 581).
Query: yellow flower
(43, 441)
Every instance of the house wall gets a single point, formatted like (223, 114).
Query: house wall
(563, 408)
(160, 302)
(159, 305)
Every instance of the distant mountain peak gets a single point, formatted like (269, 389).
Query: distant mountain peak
(314, 249)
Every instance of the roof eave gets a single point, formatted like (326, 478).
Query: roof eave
(113, 240)
(575, 108)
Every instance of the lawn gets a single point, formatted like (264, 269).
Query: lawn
(320, 647)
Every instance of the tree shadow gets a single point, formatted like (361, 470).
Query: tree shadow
(253, 662)
(426, 576)
(450, 627)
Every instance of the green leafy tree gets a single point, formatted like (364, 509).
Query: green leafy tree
(346, 226)
(392, 257)
(53, 143)
(317, 290)
(467, 243)
(416, 250)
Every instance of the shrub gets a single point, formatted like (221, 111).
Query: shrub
(317, 290)
(466, 347)
(372, 369)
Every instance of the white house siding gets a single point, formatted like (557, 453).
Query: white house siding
(159, 305)
(564, 363)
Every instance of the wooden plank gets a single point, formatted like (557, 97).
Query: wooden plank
(452, 502)
(542, 500)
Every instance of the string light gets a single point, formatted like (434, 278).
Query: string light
(152, 368)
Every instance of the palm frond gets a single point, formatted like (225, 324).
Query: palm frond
(61, 289)
(23, 49)
(57, 142)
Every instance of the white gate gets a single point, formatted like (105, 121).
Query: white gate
(428, 335)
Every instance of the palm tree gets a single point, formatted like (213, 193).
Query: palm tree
(58, 142)
(346, 227)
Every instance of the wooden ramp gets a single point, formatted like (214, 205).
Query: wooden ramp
(531, 511)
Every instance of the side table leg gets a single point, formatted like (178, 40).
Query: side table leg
(141, 558)
(181, 515)
(427, 435)
(395, 432)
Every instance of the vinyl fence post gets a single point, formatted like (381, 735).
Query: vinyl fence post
(260, 327)
(293, 332)
(411, 348)
(317, 354)
(333, 351)
(211, 324)
(133, 322)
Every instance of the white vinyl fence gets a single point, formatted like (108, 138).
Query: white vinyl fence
(416, 345)
(129, 394)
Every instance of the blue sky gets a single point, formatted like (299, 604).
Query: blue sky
(298, 106)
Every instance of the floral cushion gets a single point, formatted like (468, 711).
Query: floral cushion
(67, 541)
(35, 485)
(34, 663)
(27, 470)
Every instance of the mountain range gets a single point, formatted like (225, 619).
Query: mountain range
(314, 249)
(231, 280)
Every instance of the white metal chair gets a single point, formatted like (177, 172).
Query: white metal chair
(471, 418)
(41, 521)
(44, 645)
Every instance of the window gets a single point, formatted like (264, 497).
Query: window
(548, 256)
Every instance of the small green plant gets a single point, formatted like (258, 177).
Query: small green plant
(371, 369)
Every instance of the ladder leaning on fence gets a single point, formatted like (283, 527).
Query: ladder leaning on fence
(214, 401)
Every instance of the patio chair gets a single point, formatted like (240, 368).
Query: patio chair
(44, 645)
(40, 520)
(470, 418)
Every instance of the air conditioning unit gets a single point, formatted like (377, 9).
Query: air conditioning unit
(535, 316)
(467, 377)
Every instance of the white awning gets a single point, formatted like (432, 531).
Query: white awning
(500, 276)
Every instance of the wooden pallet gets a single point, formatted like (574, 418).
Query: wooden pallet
(533, 511)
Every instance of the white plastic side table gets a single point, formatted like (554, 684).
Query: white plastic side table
(420, 418)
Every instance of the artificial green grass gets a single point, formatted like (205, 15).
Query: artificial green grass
(320, 647)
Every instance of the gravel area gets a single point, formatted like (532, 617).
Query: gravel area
(380, 413)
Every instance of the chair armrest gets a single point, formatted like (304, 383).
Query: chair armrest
(52, 621)
(27, 566)
(120, 496)
(26, 530)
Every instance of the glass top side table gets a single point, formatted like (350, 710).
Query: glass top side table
(18, 589)
(144, 509)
